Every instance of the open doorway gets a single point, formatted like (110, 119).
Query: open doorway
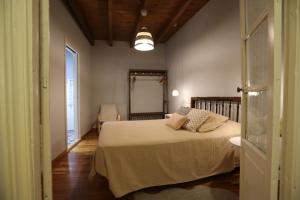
(71, 85)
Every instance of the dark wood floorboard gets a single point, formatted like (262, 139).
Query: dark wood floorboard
(70, 176)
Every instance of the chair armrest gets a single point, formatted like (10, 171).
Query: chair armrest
(99, 117)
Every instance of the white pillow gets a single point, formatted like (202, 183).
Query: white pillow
(196, 118)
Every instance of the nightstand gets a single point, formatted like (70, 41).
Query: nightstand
(168, 115)
(236, 141)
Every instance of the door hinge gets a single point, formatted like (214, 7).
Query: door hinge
(44, 82)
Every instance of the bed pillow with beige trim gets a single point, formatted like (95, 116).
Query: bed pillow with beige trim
(213, 122)
(196, 118)
(176, 121)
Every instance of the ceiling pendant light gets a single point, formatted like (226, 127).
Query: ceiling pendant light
(144, 40)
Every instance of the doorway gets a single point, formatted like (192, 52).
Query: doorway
(71, 85)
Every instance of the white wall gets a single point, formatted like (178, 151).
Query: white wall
(110, 67)
(64, 29)
(149, 90)
(203, 58)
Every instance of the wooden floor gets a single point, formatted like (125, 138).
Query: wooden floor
(70, 176)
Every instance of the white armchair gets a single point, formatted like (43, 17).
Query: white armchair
(107, 112)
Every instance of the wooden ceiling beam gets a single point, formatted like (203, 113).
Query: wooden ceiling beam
(140, 2)
(139, 21)
(109, 17)
(78, 17)
(173, 21)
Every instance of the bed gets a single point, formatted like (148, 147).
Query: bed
(138, 154)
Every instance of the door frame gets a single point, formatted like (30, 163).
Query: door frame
(290, 163)
(25, 142)
(77, 109)
(46, 146)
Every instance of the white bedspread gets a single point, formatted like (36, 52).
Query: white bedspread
(137, 154)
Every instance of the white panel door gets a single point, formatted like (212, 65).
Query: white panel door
(261, 99)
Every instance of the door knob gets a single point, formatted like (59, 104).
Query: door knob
(238, 89)
(247, 90)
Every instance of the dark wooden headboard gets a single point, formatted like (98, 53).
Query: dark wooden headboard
(227, 106)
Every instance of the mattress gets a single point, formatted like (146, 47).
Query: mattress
(137, 154)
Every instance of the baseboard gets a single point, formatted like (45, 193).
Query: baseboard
(90, 131)
(74, 145)
(55, 160)
(82, 137)
(93, 130)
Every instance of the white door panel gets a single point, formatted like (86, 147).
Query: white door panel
(254, 172)
(260, 132)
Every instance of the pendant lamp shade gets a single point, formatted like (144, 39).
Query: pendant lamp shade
(144, 40)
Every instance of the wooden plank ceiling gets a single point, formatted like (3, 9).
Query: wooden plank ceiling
(120, 20)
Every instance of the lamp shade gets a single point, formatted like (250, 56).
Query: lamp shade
(175, 93)
(144, 40)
